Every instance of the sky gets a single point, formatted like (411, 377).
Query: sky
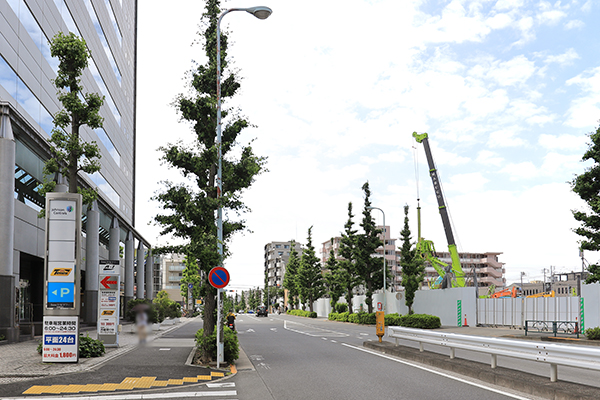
(507, 90)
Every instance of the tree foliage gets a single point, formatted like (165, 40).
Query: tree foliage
(587, 186)
(333, 281)
(310, 278)
(368, 266)
(290, 276)
(71, 154)
(348, 278)
(413, 269)
(190, 207)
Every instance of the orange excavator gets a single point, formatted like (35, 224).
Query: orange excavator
(505, 293)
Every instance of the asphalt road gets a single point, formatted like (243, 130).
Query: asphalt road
(300, 358)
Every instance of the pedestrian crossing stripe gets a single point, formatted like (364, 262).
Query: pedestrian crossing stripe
(128, 383)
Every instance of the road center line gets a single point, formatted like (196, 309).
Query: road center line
(437, 372)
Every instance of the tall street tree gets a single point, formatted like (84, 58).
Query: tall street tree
(347, 275)
(290, 277)
(369, 266)
(190, 206)
(70, 153)
(310, 278)
(413, 269)
(331, 275)
(587, 186)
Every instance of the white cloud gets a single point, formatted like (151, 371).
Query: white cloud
(574, 24)
(560, 165)
(550, 15)
(487, 157)
(562, 142)
(585, 109)
(519, 171)
(566, 58)
(467, 183)
(508, 4)
(512, 72)
(505, 138)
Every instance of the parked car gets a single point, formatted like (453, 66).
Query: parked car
(261, 310)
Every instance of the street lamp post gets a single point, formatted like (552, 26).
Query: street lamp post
(260, 13)
(384, 263)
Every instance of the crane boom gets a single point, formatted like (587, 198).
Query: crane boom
(456, 267)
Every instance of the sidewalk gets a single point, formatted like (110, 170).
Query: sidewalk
(21, 361)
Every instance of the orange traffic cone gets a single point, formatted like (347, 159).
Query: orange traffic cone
(465, 324)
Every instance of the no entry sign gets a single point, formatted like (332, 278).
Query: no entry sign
(218, 277)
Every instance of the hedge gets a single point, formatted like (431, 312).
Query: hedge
(302, 313)
(421, 321)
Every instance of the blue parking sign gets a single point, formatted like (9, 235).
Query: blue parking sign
(61, 294)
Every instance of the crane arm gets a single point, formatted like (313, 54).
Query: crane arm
(456, 267)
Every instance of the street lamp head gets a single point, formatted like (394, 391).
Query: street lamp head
(260, 12)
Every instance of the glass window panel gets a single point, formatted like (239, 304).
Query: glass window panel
(105, 187)
(108, 144)
(66, 16)
(107, 97)
(102, 38)
(111, 14)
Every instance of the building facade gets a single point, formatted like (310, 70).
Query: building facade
(389, 250)
(489, 270)
(27, 103)
(171, 267)
(277, 255)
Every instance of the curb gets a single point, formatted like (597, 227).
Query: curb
(517, 380)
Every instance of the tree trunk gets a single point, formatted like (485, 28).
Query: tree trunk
(73, 157)
(208, 320)
(349, 300)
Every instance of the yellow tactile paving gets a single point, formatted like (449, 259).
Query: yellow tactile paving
(128, 383)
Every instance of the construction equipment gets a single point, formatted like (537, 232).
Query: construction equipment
(542, 294)
(453, 275)
(505, 293)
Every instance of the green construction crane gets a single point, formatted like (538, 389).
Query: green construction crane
(425, 247)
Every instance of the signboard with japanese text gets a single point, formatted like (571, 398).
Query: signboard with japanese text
(60, 339)
(108, 302)
(107, 326)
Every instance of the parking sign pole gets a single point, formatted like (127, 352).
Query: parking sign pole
(62, 275)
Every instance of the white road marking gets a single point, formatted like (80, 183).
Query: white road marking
(256, 357)
(165, 349)
(312, 330)
(177, 395)
(220, 385)
(514, 396)
(363, 334)
(274, 329)
(249, 330)
(333, 341)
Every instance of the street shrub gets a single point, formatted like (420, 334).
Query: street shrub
(420, 321)
(89, 347)
(343, 316)
(593, 333)
(333, 316)
(231, 345)
(152, 313)
(165, 307)
(353, 318)
(341, 308)
(302, 313)
(393, 319)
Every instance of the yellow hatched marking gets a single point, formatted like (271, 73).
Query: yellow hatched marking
(160, 383)
(73, 389)
(92, 387)
(109, 387)
(125, 386)
(130, 380)
(34, 390)
(175, 382)
(204, 377)
(217, 374)
(54, 389)
(194, 380)
(144, 382)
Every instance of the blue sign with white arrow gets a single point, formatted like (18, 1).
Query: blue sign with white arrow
(61, 294)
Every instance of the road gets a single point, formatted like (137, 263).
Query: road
(286, 357)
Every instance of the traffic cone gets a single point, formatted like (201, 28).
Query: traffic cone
(465, 324)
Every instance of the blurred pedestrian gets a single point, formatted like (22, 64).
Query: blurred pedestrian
(141, 320)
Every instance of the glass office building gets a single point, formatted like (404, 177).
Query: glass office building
(27, 103)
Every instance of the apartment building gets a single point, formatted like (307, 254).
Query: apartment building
(277, 255)
(389, 250)
(489, 270)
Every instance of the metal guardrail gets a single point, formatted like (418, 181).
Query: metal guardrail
(567, 327)
(549, 353)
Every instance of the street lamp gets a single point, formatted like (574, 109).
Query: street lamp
(384, 263)
(260, 13)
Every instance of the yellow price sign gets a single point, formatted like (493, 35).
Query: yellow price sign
(108, 312)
